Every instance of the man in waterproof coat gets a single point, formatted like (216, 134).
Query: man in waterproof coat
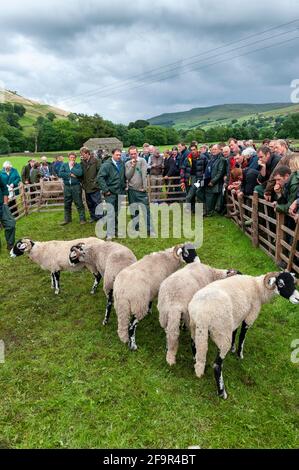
(214, 175)
(91, 167)
(71, 173)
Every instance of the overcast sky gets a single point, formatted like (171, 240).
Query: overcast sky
(104, 56)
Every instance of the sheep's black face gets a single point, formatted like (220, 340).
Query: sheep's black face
(19, 248)
(189, 253)
(286, 287)
(75, 254)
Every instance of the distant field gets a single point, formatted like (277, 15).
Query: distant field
(20, 160)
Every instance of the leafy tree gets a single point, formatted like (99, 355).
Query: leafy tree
(19, 109)
(13, 120)
(267, 133)
(172, 136)
(4, 145)
(135, 137)
(139, 124)
(16, 139)
(290, 127)
(155, 135)
(51, 116)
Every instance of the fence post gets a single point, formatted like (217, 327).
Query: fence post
(149, 189)
(241, 210)
(279, 235)
(294, 247)
(24, 198)
(255, 219)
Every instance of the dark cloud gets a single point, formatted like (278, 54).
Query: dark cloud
(59, 51)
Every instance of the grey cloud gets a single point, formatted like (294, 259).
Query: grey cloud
(54, 50)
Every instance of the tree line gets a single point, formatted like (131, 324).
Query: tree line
(50, 133)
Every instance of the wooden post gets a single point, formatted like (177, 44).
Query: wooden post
(294, 246)
(149, 189)
(24, 198)
(255, 219)
(279, 235)
(241, 210)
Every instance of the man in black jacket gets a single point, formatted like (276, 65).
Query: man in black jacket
(214, 176)
(194, 175)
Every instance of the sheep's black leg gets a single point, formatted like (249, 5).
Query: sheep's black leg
(108, 307)
(56, 281)
(193, 347)
(132, 332)
(97, 279)
(219, 377)
(149, 308)
(233, 346)
(244, 329)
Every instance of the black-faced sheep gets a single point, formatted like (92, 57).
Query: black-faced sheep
(175, 294)
(108, 259)
(137, 286)
(221, 307)
(53, 256)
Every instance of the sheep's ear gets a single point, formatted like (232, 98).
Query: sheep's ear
(270, 280)
(177, 251)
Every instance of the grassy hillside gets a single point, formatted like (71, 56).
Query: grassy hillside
(34, 109)
(221, 114)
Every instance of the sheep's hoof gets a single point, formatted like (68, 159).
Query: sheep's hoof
(104, 322)
(170, 361)
(133, 346)
(240, 356)
(92, 292)
(233, 349)
(56, 291)
(223, 395)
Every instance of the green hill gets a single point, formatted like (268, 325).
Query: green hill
(34, 109)
(221, 115)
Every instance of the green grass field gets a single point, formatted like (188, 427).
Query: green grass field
(68, 382)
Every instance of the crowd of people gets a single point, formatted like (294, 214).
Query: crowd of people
(194, 173)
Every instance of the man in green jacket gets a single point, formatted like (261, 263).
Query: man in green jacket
(111, 180)
(91, 167)
(286, 188)
(71, 173)
(214, 175)
(6, 218)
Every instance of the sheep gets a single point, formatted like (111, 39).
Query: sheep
(53, 256)
(221, 307)
(174, 296)
(108, 260)
(136, 286)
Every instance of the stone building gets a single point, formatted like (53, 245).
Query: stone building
(106, 144)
